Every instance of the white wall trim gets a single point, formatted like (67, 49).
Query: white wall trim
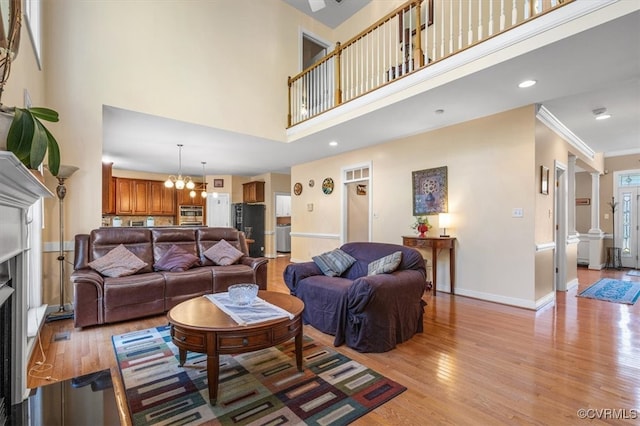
(573, 239)
(550, 120)
(572, 284)
(54, 246)
(315, 235)
(549, 298)
(551, 245)
(496, 298)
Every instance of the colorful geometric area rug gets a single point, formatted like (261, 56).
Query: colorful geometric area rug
(262, 387)
(613, 290)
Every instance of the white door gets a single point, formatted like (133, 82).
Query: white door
(218, 210)
(627, 218)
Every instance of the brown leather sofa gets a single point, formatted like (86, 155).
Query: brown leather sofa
(99, 299)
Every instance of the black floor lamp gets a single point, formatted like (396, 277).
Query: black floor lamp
(64, 173)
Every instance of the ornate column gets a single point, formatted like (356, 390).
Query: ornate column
(571, 197)
(595, 233)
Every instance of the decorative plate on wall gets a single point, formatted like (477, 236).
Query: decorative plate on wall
(327, 186)
(311, 183)
(297, 188)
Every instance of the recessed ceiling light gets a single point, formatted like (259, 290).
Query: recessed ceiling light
(439, 111)
(601, 114)
(527, 83)
(333, 143)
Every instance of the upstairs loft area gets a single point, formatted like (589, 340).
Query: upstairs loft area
(414, 36)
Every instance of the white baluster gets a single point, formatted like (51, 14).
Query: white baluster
(470, 31)
(450, 27)
(480, 20)
(460, 24)
(502, 17)
(514, 13)
(490, 30)
(376, 68)
(442, 30)
(434, 40)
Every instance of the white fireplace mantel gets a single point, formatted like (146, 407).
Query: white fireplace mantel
(19, 190)
(19, 187)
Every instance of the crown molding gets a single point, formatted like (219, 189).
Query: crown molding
(550, 120)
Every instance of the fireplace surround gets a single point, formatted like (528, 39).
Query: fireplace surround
(19, 190)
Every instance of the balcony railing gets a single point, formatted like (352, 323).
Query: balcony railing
(413, 36)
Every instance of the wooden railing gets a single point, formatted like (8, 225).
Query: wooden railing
(415, 35)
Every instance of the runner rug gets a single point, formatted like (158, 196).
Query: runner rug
(264, 387)
(613, 290)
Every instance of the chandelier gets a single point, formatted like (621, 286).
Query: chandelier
(203, 194)
(179, 182)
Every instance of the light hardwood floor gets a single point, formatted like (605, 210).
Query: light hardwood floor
(477, 363)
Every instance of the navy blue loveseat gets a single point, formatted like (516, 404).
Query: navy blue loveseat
(367, 313)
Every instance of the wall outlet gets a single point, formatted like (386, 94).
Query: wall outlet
(517, 212)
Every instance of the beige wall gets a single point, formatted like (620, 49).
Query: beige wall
(583, 213)
(549, 149)
(191, 61)
(491, 170)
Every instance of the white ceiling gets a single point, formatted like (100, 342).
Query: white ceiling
(334, 12)
(575, 76)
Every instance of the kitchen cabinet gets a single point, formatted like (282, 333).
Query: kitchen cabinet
(124, 196)
(283, 205)
(183, 198)
(132, 196)
(139, 197)
(161, 199)
(253, 192)
(108, 189)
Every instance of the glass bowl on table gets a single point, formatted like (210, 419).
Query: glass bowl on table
(243, 294)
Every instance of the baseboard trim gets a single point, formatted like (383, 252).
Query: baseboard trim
(572, 284)
(548, 299)
(503, 300)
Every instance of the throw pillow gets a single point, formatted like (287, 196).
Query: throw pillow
(334, 263)
(176, 260)
(222, 253)
(386, 264)
(118, 262)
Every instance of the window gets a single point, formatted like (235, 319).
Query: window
(32, 13)
(629, 179)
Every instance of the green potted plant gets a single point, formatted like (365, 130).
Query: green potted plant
(27, 137)
(29, 140)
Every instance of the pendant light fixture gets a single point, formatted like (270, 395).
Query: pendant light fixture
(179, 182)
(203, 194)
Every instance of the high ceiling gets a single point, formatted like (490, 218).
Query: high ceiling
(332, 12)
(575, 76)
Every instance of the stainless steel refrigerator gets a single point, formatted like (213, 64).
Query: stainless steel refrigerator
(249, 218)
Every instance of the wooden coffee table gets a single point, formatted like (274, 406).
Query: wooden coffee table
(198, 325)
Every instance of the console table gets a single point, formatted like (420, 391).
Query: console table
(435, 244)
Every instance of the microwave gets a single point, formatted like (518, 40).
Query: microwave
(190, 215)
